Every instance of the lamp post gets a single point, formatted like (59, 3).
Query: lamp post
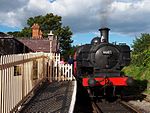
(51, 38)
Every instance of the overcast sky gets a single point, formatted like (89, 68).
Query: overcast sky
(127, 18)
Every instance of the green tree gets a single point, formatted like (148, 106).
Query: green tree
(141, 43)
(141, 50)
(65, 39)
(15, 33)
(46, 23)
(26, 32)
(49, 22)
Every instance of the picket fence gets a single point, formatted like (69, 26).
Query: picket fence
(62, 72)
(22, 74)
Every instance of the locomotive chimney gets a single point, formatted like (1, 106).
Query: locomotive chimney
(104, 34)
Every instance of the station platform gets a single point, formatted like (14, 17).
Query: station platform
(56, 97)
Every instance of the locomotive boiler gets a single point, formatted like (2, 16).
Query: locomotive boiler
(99, 64)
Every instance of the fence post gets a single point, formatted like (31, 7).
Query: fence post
(44, 74)
(51, 70)
(59, 72)
(48, 69)
(71, 67)
(23, 76)
(1, 85)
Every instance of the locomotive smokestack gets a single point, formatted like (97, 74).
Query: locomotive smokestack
(104, 34)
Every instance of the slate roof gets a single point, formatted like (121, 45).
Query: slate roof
(37, 45)
(10, 45)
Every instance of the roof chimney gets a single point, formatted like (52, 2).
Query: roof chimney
(36, 32)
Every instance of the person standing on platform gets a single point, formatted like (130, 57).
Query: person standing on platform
(70, 60)
(62, 61)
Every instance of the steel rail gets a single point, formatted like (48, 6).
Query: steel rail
(128, 106)
(147, 99)
(96, 108)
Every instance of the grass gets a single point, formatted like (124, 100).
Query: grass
(139, 73)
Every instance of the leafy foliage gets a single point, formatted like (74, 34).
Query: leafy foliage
(142, 43)
(140, 67)
(46, 23)
(141, 50)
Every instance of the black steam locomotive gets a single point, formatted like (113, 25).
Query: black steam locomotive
(99, 64)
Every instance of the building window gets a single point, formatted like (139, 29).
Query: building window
(18, 70)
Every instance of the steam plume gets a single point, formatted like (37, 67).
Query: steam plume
(105, 8)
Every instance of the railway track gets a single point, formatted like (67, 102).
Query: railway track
(142, 103)
(147, 98)
(87, 103)
(118, 106)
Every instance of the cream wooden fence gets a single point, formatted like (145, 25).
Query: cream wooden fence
(20, 74)
(60, 72)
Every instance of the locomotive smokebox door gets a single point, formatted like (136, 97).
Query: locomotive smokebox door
(106, 57)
